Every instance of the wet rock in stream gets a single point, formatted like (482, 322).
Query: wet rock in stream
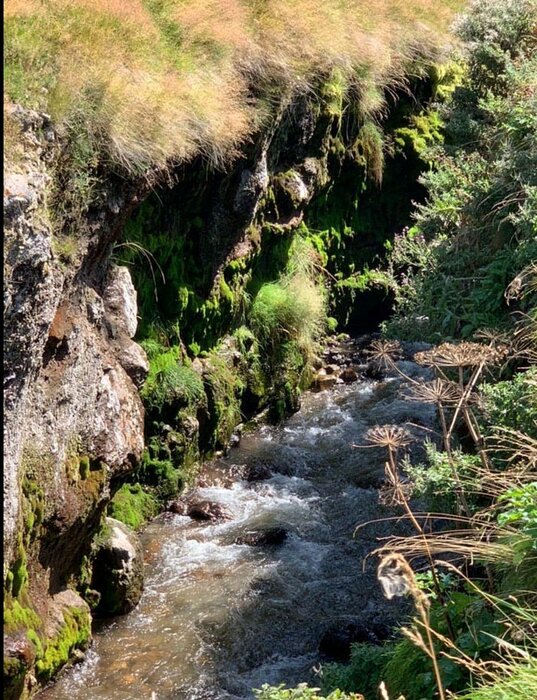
(336, 642)
(255, 472)
(207, 510)
(263, 538)
(118, 570)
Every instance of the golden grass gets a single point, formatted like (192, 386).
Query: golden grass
(152, 80)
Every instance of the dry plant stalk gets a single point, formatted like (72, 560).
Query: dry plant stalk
(442, 392)
(393, 437)
(397, 578)
(464, 357)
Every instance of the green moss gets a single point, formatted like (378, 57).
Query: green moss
(333, 93)
(161, 474)
(19, 568)
(14, 672)
(75, 633)
(19, 617)
(133, 506)
(424, 130)
(445, 78)
(84, 467)
(223, 388)
(368, 150)
(170, 382)
(35, 639)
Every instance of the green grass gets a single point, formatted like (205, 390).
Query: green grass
(169, 381)
(291, 309)
(519, 684)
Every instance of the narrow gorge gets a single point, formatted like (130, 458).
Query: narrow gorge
(217, 220)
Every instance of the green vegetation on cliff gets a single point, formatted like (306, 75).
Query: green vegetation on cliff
(477, 229)
(137, 84)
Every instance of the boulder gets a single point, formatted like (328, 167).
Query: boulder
(349, 375)
(118, 569)
(177, 506)
(208, 510)
(323, 381)
(134, 361)
(120, 302)
(374, 371)
(335, 644)
(263, 538)
(256, 472)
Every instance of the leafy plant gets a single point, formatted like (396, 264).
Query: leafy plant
(301, 692)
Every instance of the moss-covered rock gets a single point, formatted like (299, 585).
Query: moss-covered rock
(118, 569)
(133, 506)
(68, 629)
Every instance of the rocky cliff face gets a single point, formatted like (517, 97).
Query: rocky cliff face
(73, 416)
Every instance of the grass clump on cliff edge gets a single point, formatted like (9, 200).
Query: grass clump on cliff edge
(170, 382)
(146, 81)
(291, 309)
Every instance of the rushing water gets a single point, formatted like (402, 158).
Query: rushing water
(217, 618)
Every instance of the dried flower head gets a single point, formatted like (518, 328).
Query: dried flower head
(393, 492)
(438, 391)
(384, 352)
(524, 283)
(391, 436)
(396, 576)
(464, 354)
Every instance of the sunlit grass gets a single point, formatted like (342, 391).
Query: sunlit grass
(154, 80)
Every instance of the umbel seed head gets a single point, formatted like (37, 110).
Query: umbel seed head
(438, 391)
(460, 355)
(384, 352)
(391, 436)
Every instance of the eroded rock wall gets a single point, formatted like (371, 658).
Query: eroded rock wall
(73, 416)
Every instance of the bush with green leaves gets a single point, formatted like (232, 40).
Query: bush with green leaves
(363, 673)
(476, 230)
(513, 404)
(433, 480)
(520, 509)
(301, 692)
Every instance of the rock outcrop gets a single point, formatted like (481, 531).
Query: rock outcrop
(118, 569)
(73, 416)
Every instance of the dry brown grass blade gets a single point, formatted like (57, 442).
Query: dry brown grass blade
(461, 543)
(517, 446)
(397, 579)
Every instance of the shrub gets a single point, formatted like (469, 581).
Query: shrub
(301, 692)
(433, 481)
(513, 404)
(476, 231)
(363, 673)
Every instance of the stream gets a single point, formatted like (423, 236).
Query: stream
(217, 618)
